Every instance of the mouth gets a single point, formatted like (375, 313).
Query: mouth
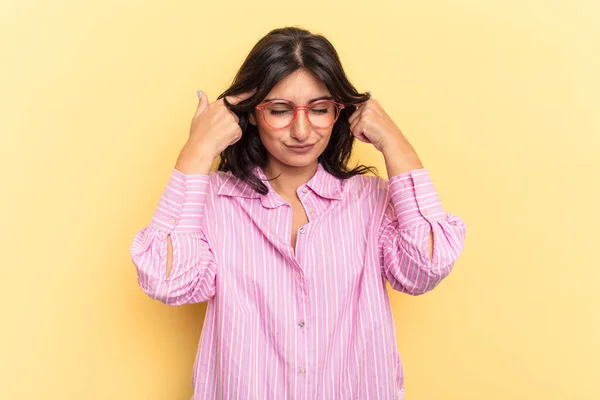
(301, 149)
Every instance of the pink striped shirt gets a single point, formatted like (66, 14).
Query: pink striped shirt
(311, 324)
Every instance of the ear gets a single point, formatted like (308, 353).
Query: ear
(252, 119)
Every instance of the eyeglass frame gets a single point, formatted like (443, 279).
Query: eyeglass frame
(262, 106)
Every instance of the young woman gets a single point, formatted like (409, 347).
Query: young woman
(291, 248)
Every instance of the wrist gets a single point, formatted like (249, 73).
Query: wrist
(194, 164)
(399, 160)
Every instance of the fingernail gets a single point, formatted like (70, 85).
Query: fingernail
(199, 94)
(370, 93)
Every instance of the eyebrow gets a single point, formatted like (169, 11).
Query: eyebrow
(310, 101)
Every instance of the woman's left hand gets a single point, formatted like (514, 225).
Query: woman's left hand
(371, 124)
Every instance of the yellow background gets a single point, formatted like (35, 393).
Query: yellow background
(500, 100)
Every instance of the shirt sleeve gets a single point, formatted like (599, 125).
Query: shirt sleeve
(179, 214)
(413, 213)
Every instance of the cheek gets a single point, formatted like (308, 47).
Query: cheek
(268, 139)
(325, 138)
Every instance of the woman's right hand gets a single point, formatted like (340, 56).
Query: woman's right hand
(214, 128)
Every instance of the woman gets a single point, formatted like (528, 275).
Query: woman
(291, 248)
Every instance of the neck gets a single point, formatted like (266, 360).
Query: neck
(289, 178)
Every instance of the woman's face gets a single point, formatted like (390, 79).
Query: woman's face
(285, 145)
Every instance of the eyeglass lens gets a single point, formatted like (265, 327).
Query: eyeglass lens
(320, 114)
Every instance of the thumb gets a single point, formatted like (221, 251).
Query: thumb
(203, 103)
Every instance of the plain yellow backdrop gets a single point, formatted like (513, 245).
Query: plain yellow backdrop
(500, 100)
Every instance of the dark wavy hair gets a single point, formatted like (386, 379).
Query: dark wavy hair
(278, 54)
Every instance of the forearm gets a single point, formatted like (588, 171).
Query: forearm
(192, 162)
(400, 158)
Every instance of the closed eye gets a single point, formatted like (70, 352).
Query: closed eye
(279, 112)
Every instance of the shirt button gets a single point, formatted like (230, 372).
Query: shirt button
(425, 212)
(302, 230)
(301, 370)
(301, 324)
(172, 220)
(298, 275)
(312, 211)
(304, 190)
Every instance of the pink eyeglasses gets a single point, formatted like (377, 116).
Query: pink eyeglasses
(279, 114)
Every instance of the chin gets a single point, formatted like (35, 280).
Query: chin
(303, 160)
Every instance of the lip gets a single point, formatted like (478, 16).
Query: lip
(301, 149)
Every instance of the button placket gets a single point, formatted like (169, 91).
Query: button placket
(301, 287)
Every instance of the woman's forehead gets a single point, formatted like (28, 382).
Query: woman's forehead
(300, 87)
(324, 97)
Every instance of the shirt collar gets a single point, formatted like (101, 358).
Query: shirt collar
(325, 185)
(322, 183)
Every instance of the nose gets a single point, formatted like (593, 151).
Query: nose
(300, 129)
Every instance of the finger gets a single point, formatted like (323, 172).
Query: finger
(359, 109)
(355, 115)
(363, 138)
(359, 130)
(240, 97)
(202, 103)
(356, 126)
(237, 137)
(360, 136)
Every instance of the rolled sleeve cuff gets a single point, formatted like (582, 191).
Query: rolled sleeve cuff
(415, 198)
(182, 203)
